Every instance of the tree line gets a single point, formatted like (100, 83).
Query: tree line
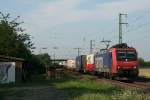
(143, 63)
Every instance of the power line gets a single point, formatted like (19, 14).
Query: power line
(139, 27)
(106, 42)
(141, 16)
(137, 19)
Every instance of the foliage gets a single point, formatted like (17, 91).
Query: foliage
(44, 61)
(13, 40)
(143, 63)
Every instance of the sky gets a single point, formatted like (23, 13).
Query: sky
(60, 26)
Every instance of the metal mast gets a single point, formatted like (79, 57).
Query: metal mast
(120, 26)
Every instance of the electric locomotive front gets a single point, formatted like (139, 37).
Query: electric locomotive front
(124, 61)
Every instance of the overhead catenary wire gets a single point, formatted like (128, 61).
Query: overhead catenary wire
(138, 27)
(134, 23)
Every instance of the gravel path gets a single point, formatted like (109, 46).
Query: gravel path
(37, 93)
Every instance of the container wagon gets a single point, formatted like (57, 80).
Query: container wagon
(81, 63)
(102, 62)
(89, 62)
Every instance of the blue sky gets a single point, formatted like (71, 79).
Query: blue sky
(68, 24)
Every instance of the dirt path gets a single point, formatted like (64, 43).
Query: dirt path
(36, 93)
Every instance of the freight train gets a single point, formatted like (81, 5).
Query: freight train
(85, 63)
(118, 61)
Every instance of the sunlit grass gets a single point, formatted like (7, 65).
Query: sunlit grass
(144, 72)
(80, 89)
(131, 95)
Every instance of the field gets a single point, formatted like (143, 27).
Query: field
(145, 72)
(68, 88)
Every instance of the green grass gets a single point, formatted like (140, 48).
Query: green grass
(77, 89)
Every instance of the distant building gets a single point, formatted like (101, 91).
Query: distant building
(11, 69)
(71, 64)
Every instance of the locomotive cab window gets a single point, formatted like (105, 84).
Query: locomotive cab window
(129, 55)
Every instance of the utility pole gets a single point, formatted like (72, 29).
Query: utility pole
(106, 42)
(120, 26)
(91, 46)
(78, 50)
(55, 48)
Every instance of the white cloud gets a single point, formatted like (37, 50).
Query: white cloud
(64, 11)
(52, 14)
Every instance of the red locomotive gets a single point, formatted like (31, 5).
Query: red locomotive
(118, 61)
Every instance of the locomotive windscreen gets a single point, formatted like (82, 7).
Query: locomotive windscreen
(126, 55)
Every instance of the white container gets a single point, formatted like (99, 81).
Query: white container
(70, 63)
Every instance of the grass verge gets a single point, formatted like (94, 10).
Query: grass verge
(144, 72)
(76, 88)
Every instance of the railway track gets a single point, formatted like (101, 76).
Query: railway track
(142, 85)
(134, 85)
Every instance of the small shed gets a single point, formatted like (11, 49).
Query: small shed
(11, 69)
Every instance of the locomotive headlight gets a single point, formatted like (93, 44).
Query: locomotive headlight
(134, 67)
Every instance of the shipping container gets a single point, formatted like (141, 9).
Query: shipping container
(78, 63)
(90, 62)
(70, 64)
(81, 63)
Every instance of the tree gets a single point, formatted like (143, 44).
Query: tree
(144, 63)
(42, 61)
(141, 61)
(13, 40)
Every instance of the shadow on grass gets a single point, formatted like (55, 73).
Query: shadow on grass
(143, 79)
(38, 80)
